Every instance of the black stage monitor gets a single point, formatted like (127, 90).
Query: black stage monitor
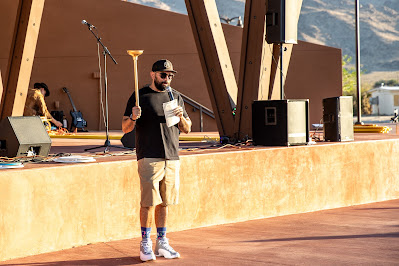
(23, 136)
(280, 122)
(338, 118)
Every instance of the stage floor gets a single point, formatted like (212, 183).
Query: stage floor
(78, 145)
(204, 143)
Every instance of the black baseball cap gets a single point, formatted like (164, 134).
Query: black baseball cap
(163, 65)
(43, 85)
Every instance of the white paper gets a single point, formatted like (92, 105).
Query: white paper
(74, 159)
(168, 108)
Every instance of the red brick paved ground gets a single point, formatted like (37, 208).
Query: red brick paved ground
(365, 234)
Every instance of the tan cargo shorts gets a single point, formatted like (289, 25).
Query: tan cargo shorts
(159, 181)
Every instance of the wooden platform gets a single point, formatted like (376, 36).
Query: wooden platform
(50, 206)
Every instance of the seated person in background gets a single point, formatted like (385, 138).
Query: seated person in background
(35, 104)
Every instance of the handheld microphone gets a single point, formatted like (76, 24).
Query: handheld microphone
(169, 90)
(84, 22)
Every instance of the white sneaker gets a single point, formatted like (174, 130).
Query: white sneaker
(146, 252)
(163, 249)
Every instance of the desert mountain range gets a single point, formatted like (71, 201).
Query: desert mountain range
(332, 23)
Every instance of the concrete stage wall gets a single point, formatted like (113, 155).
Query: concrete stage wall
(57, 207)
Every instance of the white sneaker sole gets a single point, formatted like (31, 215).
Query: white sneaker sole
(144, 257)
(166, 254)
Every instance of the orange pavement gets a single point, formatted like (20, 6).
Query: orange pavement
(365, 234)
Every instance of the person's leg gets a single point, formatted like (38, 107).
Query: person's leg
(169, 189)
(162, 247)
(146, 218)
(151, 171)
(161, 213)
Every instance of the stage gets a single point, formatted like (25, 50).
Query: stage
(48, 206)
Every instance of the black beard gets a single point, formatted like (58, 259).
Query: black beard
(159, 85)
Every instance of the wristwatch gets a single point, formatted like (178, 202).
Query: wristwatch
(131, 118)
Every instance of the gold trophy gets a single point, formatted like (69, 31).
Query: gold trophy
(135, 54)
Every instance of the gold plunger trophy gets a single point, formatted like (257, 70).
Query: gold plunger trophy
(135, 54)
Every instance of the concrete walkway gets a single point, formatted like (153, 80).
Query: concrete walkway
(365, 234)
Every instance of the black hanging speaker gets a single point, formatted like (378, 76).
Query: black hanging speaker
(338, 118)
(23, 136)
(280, 122)
(282, 21)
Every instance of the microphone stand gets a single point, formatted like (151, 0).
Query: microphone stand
(106, 52)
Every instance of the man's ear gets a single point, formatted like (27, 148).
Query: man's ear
(152, 74)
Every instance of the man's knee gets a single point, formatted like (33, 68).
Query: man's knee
(147, 209)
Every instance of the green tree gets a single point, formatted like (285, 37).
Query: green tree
(348, 77)
(349, 86)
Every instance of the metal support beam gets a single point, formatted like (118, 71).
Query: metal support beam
(278, 74)
(201, 120)
(358, 70)
(21, 57)
(254, 77)
(215, 62)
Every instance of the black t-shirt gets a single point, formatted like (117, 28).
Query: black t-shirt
(154, 139)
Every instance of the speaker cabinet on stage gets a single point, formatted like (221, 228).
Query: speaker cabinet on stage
(338, 118)
(280, 122)
(282, 21)
(23, 136)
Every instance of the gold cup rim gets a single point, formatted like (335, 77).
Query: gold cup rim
(135, 52)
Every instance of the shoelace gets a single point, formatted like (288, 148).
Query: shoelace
(147, 246)
(165, 244)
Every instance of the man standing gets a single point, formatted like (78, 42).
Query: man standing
(36, 105)
(157, 147)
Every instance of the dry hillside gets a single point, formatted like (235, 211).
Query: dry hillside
(332, 23)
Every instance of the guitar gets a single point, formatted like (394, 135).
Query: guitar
(77, 118)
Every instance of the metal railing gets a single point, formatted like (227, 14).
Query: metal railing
(202, 109)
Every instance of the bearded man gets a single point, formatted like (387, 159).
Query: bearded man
(157, 147)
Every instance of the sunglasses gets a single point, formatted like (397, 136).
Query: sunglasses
(163, 75)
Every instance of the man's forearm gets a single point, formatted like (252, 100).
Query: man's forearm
(185, 124)
(127, 124)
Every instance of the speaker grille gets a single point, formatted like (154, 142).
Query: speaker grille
(280, 122)
(19, 134)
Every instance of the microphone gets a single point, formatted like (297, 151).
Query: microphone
(84, 22)
(169, 90)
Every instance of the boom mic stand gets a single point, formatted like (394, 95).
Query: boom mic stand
(106, 52)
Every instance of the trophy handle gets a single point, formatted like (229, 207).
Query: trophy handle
(135, 54)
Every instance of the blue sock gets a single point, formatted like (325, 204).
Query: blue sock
(161, 232)
(145, 232)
